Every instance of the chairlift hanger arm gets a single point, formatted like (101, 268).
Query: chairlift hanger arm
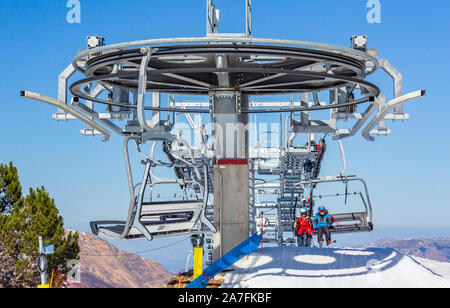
(365, 117)
(68, 109)
(203, 217)
(389, 106)
(138, 207)
(93, 114)
(131, 210)
(142, 89)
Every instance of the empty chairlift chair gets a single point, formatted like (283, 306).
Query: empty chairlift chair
(156, 218)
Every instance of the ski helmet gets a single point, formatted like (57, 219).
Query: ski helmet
(303, 211)
(321, 208)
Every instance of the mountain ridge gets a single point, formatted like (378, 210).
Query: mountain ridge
(105, 266)
(437, 249)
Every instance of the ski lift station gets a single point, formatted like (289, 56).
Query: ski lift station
(194, 106)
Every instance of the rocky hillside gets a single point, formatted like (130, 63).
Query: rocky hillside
(105, 266)
(433, 249)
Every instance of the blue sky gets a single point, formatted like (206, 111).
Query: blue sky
(407, 172)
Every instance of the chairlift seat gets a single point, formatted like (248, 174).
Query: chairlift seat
(159, 218)
(352, 222)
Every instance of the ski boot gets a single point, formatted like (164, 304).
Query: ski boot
(330, 244)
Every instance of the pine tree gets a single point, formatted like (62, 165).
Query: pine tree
(33, 216)
(6, 268)
(10, 189)
(10, 193)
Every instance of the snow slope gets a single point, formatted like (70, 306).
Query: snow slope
(443, 268)
(293, 267)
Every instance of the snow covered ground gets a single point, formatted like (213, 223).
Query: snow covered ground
(441, 268)
(293, 267)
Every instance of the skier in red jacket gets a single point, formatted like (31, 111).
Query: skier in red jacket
(304, 225)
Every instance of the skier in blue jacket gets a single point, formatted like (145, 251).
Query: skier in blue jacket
(322, 222)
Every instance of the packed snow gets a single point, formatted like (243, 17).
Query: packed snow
(293, 267)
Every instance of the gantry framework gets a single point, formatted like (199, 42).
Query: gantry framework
(226, 71)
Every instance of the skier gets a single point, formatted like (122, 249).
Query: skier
(322, 223)
(304, 225)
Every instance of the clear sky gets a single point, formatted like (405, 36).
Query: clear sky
(407, 172)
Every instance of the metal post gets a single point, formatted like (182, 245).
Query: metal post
(190, 252)
(231, 171)
(198, 261)
(42, 262)
(398, 81)
(262, 231)
(197, 243)
(156, 102)
(248, 17)
(211, 18)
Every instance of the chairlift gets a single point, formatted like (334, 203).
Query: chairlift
(348, 222)
(158, 218)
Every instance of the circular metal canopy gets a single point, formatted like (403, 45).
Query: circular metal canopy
(249, 69)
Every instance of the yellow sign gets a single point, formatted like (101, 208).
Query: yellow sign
(44, 286)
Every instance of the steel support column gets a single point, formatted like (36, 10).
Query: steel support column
(231, 172)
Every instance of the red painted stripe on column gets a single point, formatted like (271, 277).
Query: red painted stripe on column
(231, 162)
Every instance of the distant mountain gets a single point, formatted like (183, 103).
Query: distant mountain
(105, 266)
(433, 249)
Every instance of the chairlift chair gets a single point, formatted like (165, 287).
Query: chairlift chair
(156, 219)
(348, 222)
